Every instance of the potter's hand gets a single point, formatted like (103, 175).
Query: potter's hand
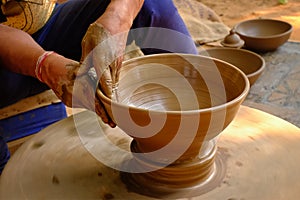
(75, 87)
(104, 53)
(102, 56)
(104, 43)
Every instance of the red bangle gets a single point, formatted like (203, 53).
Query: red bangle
(39, 64)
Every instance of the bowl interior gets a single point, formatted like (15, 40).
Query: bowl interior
(174, 95)
(172, 82)
(262, 28)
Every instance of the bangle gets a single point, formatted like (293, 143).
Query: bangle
(39, 64)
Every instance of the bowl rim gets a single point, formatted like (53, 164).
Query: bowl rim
(289, 31)
(241, 96)
(260, 69)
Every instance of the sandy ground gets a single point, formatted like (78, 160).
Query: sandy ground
(235, 11)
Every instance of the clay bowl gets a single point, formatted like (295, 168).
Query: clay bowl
(174, 106)
(249, 62)
(263, 35)
(174, 90)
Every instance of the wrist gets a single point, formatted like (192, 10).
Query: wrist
(52, 68)
(59, 73)
(40, 64)
(114, 22)
(120, 14)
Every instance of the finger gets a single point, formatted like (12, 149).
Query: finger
(83, 93)
(87, 55)
(90, 40)
(86, 97)
(110, 78)
(102, 112)
(93, 36)
(105, 83)
(99, 109)
(115, 69)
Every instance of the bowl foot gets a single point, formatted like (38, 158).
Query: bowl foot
(188, 179)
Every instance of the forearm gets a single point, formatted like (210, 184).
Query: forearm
(127, 9)
(122, 12)
(19, 52)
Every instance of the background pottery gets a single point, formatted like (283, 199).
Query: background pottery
(249, 62)
(263, 34)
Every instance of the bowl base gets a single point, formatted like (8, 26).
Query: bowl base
(162, 183)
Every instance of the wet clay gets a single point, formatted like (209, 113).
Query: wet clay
(176, 180)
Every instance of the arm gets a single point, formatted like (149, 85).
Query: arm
(119, 15)
(19, 52)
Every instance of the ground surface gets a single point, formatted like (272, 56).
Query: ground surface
(234, 11)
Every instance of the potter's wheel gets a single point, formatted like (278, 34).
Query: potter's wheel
(259, 151)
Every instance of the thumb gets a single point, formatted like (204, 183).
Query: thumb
(86, 61)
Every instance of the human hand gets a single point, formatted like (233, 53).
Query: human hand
(104, 53)
(104, 43)
(73, 86)
(103, 48)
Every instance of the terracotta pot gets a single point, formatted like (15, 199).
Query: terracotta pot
(249, 62)
(174, 106)
(263, 35)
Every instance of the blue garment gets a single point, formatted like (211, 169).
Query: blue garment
(170, 33)
(64, 34)
(4, 154)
